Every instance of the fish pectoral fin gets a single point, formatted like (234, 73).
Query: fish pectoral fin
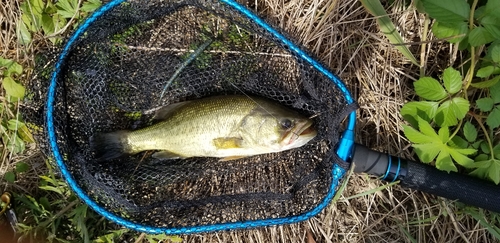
(165, 154)
(232, 158)
(228, 142)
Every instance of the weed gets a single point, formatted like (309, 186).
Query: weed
(462, 106)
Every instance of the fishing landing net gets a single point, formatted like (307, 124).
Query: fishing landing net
(132, 57)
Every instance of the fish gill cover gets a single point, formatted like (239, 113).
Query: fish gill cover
(142, 55)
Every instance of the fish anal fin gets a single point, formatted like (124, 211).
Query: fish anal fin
(165, 154)
(168, 110)
(228, 142)
(232, 158)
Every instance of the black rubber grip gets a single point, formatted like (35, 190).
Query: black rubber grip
(422, 177)
(466, 189)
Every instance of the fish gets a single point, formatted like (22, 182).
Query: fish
(227, 127)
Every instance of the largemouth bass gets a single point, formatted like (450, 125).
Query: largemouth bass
(227, 127)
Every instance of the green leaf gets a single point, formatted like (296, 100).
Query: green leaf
(27, 21)
(14, 124)
(25, 134)
(11, 67)
(493, 119)
(464, 44)
(387, 27)
(452, 80)
(23, 34)
(485, 104)
(45, 203)
(91, 5)
(13, 88)
(14, 68)
(491, 24)
(465, 151)
(427, 129)
(447, 30)
(444, 134)
(67, 8)
(447, 11)
(37, 6)
(494, 171)
(423, 109)
(52, 188)
(15, 144)
(47, 24)
(428, 145)
(5, 62)
(487, 83)
(494, 52)
(460, 107)
(429, 88)
(426, 152)
(415, 136)
(485, 148)
(444, 162)
(479, 158)
(10, 176)
(32, 14)
(470, 132)
(451, 110)
(458, 142)
(479, 12)
(495, 93)
(496, 151)
(459, 155)
(22, 167)
(487, 169)
(477, 144)
(492, 7)
(480, 36)
(50, 8)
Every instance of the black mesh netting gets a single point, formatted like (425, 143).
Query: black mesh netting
(113, 79)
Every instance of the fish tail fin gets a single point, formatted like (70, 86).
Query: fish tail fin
(108, 146)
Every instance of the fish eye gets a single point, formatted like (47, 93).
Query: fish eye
(286, 123)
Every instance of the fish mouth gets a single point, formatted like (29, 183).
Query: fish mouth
(300, 134)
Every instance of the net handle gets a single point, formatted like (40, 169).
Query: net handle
(423, 177)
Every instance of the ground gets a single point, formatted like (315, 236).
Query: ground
(347, 40)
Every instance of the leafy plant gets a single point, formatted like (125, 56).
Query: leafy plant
(463, 107)
(14, 132)
(51, 17)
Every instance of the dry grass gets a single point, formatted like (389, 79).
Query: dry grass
(346, 39)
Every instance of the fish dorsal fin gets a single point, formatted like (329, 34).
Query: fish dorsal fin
(228, 142)
(168, 110)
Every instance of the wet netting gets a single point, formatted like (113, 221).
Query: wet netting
(132, 57)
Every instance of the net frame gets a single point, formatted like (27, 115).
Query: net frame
(337, 171)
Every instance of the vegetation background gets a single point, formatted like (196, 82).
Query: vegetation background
(382, 50)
